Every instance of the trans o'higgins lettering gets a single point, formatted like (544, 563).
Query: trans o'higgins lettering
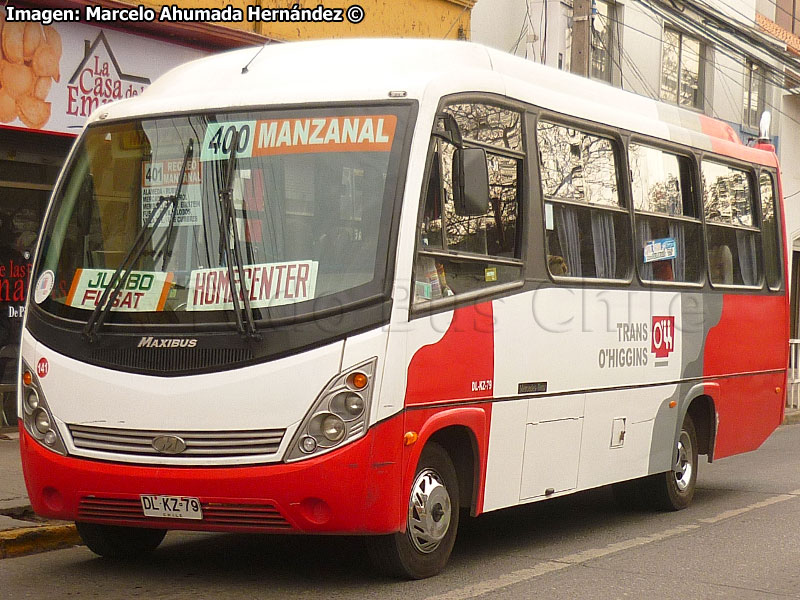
(151, 342)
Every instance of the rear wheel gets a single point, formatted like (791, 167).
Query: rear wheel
(119, 542)
(431, 525)
(674, 489)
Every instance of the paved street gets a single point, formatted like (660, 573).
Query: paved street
(739, 540)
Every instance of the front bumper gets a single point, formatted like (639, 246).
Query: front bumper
(356, 489)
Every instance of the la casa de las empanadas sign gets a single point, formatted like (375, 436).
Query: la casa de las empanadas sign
(52, 77)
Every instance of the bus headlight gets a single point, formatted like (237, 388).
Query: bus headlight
(339, 415)
(36, 415)
(41, 420)
(31, 401)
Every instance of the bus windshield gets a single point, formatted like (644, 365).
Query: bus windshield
(312, 197)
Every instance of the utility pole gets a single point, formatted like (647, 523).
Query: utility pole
(581, 37)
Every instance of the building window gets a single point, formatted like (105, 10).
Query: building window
(605, 38)
(682, 69)
(754, 91)
(602, 40)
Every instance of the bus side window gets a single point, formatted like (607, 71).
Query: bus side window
(431, 228)
(460, 253)
(668, 231)
(586, 221)
(770, 232)
(734, 244)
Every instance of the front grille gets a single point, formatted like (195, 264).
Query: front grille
(216, 514)
(160, 361)
(206, 444)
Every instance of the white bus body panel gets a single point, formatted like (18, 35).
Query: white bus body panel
(271, 395)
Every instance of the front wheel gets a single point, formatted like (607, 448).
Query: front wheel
(433, 506)
(674, 489)
(112, 541)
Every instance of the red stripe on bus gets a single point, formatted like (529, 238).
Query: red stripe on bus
(460, 365)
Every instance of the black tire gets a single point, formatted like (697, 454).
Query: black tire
(8, 404)
(674, 489)
(424, 548)
(111, 541)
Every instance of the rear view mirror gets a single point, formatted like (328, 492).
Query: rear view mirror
(470, 182)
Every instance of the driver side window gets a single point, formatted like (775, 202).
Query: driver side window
(457, 252)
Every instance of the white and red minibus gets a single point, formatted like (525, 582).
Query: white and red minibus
(356, 286)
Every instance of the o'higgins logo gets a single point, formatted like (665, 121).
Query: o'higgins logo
(663, 336)
(151, 342)
(629, 348)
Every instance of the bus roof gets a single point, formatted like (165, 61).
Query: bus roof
(353, 70)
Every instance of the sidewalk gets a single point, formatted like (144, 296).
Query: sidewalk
(22, 532)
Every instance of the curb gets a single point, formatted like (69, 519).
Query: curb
(32, 540)
(791, 417)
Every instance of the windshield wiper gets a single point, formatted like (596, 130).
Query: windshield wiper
(106, 302)
(167, 248)
(227, 227)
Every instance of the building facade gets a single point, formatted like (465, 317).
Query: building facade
(731, 60)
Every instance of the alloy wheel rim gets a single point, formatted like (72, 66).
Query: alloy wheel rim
(683, 462)
(429, 511)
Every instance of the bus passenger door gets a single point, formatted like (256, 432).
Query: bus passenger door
(552, 445)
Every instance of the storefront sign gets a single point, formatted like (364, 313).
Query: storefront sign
(56, 75)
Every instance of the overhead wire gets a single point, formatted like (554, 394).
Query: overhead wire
(523, 29)
(768, 77)
(714, 22)
(734, 58)
(635, 70)
(457, 19)
(651, 92)
(718, 68)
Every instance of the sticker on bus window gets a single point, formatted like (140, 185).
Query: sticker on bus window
(270, 284)
(44, 286)
(144, 291)
(160, 178)
(661, 249)
(373, 133)
(218, 140)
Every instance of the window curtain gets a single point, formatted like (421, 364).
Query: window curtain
(569, 238)
(746, 245)
(643, 231)
(605, 244)
(676, 232)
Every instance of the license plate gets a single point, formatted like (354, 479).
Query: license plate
(171, 507)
